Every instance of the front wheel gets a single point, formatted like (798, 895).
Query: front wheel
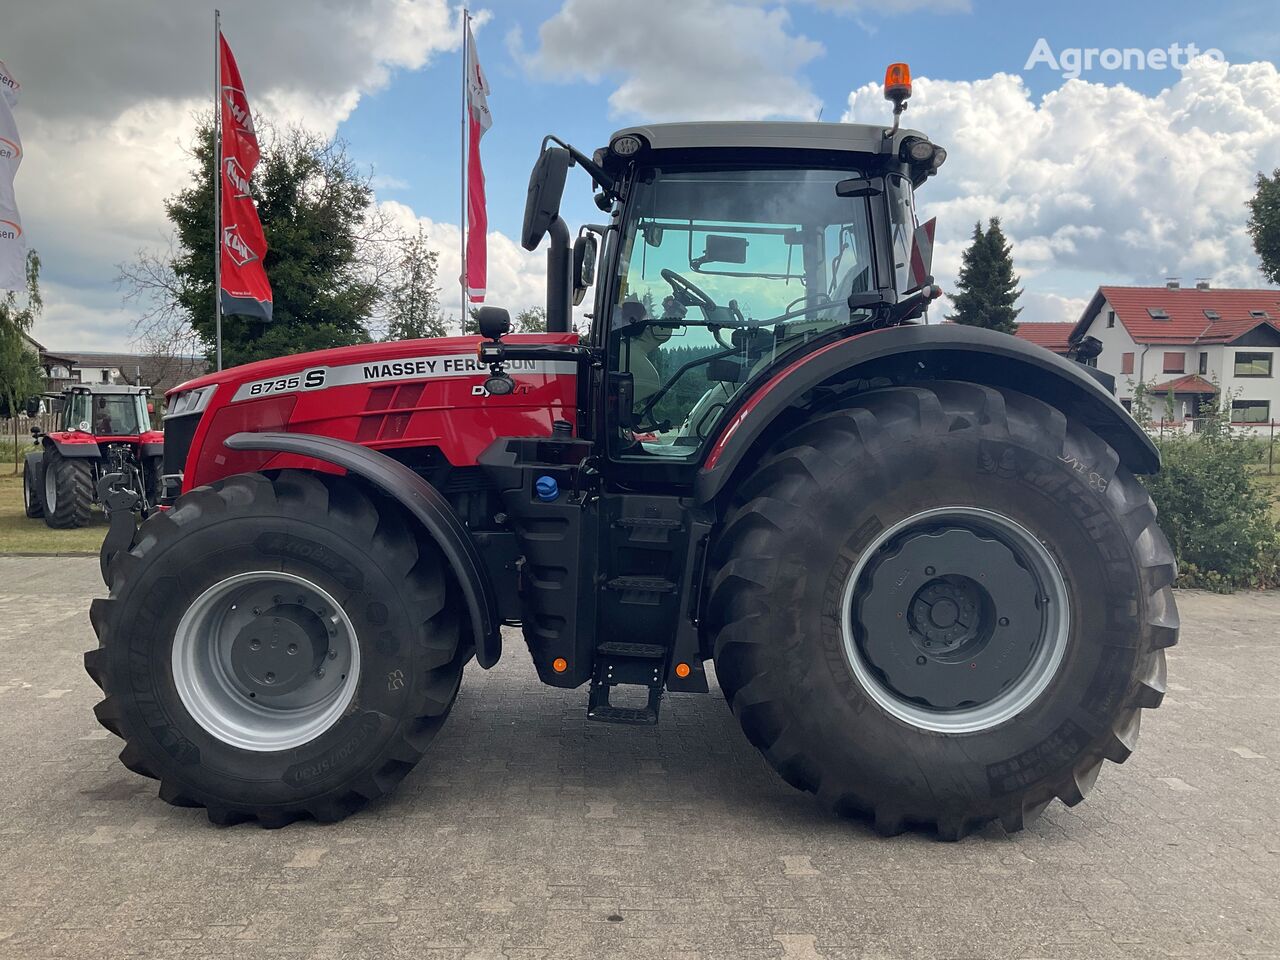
(940, 605)
(68, 490)
(276, 647)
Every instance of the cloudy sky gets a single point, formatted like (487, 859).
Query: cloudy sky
(1112, 176)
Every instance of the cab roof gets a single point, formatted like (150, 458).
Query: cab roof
(767, 134)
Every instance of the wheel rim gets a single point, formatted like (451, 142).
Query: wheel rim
(955, 619)
(50, 490)
(265, 660)
(26, 488)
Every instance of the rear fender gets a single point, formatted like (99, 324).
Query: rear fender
(950, 352)
(423, 501)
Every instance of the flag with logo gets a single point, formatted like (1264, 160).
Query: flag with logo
(245, 289)
(13, 248)
(478, 121)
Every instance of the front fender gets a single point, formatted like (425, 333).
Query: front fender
(936, 352)
(423, 501)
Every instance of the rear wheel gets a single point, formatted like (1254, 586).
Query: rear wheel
(31, 502)
(940, 605)
(68, 490)
(276, 647)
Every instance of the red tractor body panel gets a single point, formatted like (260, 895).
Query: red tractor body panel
(407, 394)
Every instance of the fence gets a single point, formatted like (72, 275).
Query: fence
(1265, 433)
(21, 426)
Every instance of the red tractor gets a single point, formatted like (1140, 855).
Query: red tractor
(105, 431)
(934, 592)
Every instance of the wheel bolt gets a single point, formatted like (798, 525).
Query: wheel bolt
(292, 648)
(257, 611)
(333, 654)
(255, 644)
(270, 678)
(320, 672)
(920, 661)
(1004, 621)
(929, 571)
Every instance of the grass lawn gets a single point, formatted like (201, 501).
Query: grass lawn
(21, 535)
(1271, 484)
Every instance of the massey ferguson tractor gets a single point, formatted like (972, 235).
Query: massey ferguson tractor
(105, 431)
(933, 591)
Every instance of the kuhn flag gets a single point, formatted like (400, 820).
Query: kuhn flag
(478, 121)
(245, 289)
(13, 249)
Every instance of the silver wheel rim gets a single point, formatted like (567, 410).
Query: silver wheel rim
(230, 638)
(50, 491)
(1049, 642)
(26, 488)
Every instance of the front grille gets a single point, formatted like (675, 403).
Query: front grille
(178, 432)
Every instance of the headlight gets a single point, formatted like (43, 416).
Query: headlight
(191, 401)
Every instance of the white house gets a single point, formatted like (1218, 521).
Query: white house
(1195, 341)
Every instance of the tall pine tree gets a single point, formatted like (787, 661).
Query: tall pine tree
(987, 288)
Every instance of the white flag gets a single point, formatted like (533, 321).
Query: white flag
(13, 249)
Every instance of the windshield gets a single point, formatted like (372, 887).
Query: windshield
(720, 272)
(106, 415)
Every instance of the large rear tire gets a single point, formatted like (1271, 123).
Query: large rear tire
(67, 490)
(276, 647)
(32, 505)
(941, 605)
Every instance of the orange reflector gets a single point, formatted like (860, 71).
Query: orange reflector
(683, 670)
(897, 82)
(559, 664)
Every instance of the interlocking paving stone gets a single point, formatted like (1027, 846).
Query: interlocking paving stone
(530, 833)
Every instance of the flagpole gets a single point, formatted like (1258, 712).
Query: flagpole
(462, 226)
(217, 185)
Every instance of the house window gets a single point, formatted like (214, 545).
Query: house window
(1157, 313)
(106, 376)
(58, 372)
(1126, 363)
(1250, 411)
(1212, 315)
(1175, 362)
(1204, 362)
(1111, 319)
(1253, 364)
(1258, 314)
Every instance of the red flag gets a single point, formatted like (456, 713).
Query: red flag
(245, 289)
(478, 120)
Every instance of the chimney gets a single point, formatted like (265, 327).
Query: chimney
(1171, 283)
(1202, 283)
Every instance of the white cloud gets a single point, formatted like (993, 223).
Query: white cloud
(685, 59)
(110, 93)
(1099, 183)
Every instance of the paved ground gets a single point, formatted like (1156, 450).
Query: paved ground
(530, 833)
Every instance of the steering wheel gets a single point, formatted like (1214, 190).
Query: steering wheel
(687, 291)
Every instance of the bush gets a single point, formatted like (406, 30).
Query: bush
(1217, 520)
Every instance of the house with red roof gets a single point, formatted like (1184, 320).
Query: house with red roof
(1193, 342)
(1051, 336)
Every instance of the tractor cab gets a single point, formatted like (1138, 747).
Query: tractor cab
(106, 410)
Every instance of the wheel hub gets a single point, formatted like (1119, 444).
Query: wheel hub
(955, 619)
(265, 660)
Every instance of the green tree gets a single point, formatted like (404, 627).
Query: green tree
(413, 292)
(531, 320)
(20, 375)
(987, 287)
(1264, 224)
(328, 250)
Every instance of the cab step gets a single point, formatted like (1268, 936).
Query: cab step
(634, 664)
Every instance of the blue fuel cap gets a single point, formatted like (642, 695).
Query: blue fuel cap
(547, 489)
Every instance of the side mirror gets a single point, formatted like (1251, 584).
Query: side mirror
(858, 187)
(546, 187)
(584, 266)
(493, 322)
(36, 432)
(722, 249)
